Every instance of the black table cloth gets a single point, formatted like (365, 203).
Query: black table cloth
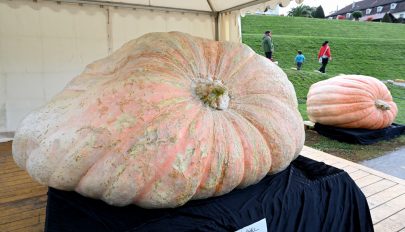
(307, 196)
(360, 136)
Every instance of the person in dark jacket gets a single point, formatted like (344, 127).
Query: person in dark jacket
(267, 44)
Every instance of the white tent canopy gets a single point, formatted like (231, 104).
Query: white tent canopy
(46, 43)
(225, 13)
(207, 6)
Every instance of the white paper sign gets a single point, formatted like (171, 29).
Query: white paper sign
(260, 226)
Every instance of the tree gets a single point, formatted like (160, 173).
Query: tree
(387, 18)
(301, 11)
(318, 13)
(357, 14)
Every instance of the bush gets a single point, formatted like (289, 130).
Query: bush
(357, 14)
(318, 13)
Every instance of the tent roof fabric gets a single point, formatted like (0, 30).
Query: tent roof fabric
(199, 6)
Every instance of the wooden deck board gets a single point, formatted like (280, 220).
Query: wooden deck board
(367, 180)
(23, 201)
(377, 187)
(388, 209)
(394, 223)
(358, 174)
(381, 197)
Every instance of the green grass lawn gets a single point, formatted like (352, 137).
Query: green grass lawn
(373, 49)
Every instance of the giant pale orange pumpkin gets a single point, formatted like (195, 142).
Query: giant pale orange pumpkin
(165, 119)
(351, 101)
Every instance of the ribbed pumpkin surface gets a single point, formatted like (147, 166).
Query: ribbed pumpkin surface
(165, 119)
(351, 101)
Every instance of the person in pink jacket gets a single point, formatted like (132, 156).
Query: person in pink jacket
(324, 56)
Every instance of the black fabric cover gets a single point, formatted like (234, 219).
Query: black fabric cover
(307, 196)
(360, 136)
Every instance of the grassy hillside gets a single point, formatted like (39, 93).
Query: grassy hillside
(374, 49)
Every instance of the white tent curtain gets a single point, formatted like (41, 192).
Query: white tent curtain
(230, 27)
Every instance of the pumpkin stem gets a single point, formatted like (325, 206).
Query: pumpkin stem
(212, 93)
(380, 104)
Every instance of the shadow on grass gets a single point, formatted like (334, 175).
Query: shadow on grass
(352, 152)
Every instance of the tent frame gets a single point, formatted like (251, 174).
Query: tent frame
(213, 12)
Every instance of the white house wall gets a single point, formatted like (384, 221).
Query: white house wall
(398, 14)
(43, 45)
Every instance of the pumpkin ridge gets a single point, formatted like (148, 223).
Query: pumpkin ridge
(248, 147)
(230, 177)
(225, 161)
(224, 65)
(365, 116)
(218, 63)
(240, 140)
(246, 100)
(112, 181)
(358, 120)
(205, 189)
(272, 136)
(196, 142)
(374, 85)
(147, 187)
(241, 66)
(161, 65)
(360, 88)
(311, 100)
(266, 136)
(334, 109)
(242, 99)
(189, 55)
(206, 166)
(348, 91)
(194, 50)
(175, 56)
(93, 135)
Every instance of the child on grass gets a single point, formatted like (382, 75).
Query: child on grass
(299, 59)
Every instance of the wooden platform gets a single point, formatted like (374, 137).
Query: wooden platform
(23, 202)
(385, 194)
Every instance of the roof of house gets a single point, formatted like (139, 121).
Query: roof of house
(367, 4)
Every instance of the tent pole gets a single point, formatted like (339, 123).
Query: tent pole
(216, 20)
(216, 26)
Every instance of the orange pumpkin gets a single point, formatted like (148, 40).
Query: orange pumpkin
(351, 101)
(165, 119)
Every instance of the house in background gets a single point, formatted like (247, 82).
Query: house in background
(373, 10)
(268, 11)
